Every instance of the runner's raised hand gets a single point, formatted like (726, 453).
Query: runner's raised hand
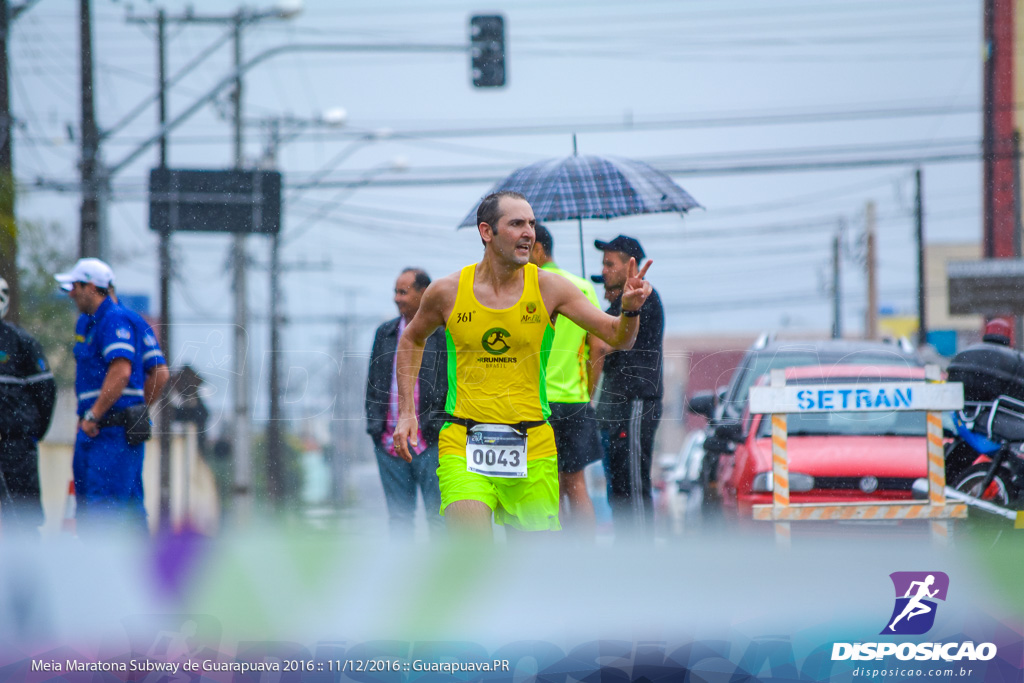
(636, 289)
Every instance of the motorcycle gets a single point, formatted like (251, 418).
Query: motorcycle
(985, 459)
(994, 434)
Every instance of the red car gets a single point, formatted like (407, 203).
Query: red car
(834, 457)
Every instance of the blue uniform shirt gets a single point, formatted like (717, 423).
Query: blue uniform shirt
(101, 338)
(150, 354)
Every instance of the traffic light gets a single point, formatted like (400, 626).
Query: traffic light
(487, 50)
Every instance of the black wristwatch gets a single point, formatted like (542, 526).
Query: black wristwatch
(631, 314)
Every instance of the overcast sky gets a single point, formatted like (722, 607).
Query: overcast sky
(721, 93)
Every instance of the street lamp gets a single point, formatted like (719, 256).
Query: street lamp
(287, 9)
(336, 116)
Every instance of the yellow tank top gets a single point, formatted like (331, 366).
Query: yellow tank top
(497, 360)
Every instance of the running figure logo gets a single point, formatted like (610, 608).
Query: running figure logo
(916, 592)
(494, 341)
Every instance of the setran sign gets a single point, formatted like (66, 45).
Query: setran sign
(859, 396)
(234, 201)
(987, 287)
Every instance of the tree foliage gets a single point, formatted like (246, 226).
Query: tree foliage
(46, 313)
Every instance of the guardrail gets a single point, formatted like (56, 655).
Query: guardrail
(777, 400)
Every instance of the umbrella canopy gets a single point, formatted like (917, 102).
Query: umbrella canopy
(593, 187)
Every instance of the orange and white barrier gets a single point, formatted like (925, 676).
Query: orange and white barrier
(934, 397)
(896, 510)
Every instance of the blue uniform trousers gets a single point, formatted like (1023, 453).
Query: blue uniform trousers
(108, 480)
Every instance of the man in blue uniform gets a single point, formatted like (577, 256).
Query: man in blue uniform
(154, 365)
(27, 397)
(109, 384)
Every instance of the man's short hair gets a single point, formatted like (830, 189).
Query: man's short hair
(544, 239)
(489, 212)
(420, 280)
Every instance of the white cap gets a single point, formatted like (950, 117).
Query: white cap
(90, 270)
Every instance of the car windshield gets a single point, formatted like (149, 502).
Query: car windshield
(766, 362)
(845, 423)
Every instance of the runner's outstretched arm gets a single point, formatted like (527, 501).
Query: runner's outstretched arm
(619, 332)
(409, 356)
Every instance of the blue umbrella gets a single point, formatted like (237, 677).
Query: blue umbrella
(578, 187)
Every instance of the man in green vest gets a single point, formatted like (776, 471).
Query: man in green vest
(571, 378)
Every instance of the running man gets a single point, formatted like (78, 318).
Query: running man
(915, 606)
(497, 451)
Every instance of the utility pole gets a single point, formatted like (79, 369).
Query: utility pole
(164, 418)
(8, 225)
(1018, 228)
(1000, 187)
(274, 443)
(242, 441)
(274, 434)
(871, 266)
(837, 293)
(922, 324)
(90, 240)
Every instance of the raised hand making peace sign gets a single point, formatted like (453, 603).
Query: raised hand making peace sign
(636, 290)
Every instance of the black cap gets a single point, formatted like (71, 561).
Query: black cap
(599, 279)
(627, 245)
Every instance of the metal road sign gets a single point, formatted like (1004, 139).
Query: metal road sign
(877, 396)
(215, 201)
(988, 287)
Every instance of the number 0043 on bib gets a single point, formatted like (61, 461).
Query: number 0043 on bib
(496, 451)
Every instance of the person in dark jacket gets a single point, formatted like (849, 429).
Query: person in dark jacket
(630, 403)
(399, 478)
(27, 396)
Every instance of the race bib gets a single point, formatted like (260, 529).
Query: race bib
(496, 451)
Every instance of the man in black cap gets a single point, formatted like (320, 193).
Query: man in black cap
(630, 404)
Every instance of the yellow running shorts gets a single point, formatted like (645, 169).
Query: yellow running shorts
(527, 504)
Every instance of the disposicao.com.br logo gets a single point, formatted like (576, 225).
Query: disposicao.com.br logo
(914, 614)
(916, 592)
